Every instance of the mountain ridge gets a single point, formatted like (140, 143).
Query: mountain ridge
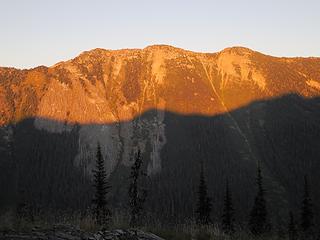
(168, 47)
(168, 103)
(127, 82)
(155, 46)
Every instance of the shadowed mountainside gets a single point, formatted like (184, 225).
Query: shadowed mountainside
(116, 86)
(44, 168)
(233, 109)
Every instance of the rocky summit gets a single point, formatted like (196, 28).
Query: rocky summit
(107, 86)
(232, 109)
(115, 86)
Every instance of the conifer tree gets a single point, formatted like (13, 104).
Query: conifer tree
(204, 202)
(306, 210)
(137, 194)
(228, 212)
(101, 211)
(258, 221)
(292, 230)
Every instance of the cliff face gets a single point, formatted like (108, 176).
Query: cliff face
(106, 87)
(102, 86)
(230, 109)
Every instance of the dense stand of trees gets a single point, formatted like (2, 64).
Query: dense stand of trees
(54, 172)
(258, 223)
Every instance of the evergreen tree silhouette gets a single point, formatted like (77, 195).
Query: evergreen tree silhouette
(204, 202)
(101, 211)
(137, 194)
(292, 230)
(228, 212)
(258, 221)
(306, 210)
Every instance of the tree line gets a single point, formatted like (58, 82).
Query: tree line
(258, 219)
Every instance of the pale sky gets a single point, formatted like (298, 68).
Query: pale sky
(43, 32)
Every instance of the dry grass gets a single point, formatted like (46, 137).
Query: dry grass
(85, 222)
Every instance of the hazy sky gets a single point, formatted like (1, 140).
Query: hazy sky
(43, 32)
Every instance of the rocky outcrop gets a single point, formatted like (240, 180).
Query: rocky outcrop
(111, 88)
(231, 109)
(67, 233)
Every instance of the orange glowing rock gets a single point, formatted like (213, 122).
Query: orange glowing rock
(104, 86)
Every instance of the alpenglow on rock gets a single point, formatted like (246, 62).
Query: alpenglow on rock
(230, 109)
(100, 87)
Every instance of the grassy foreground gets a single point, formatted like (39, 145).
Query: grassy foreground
(85, 222)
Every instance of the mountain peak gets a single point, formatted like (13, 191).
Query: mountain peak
(238, 50)
(101, 53)
(112, 84)
(163, 47)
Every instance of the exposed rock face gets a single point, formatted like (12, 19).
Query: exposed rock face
(231, 109)
(102, 87)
